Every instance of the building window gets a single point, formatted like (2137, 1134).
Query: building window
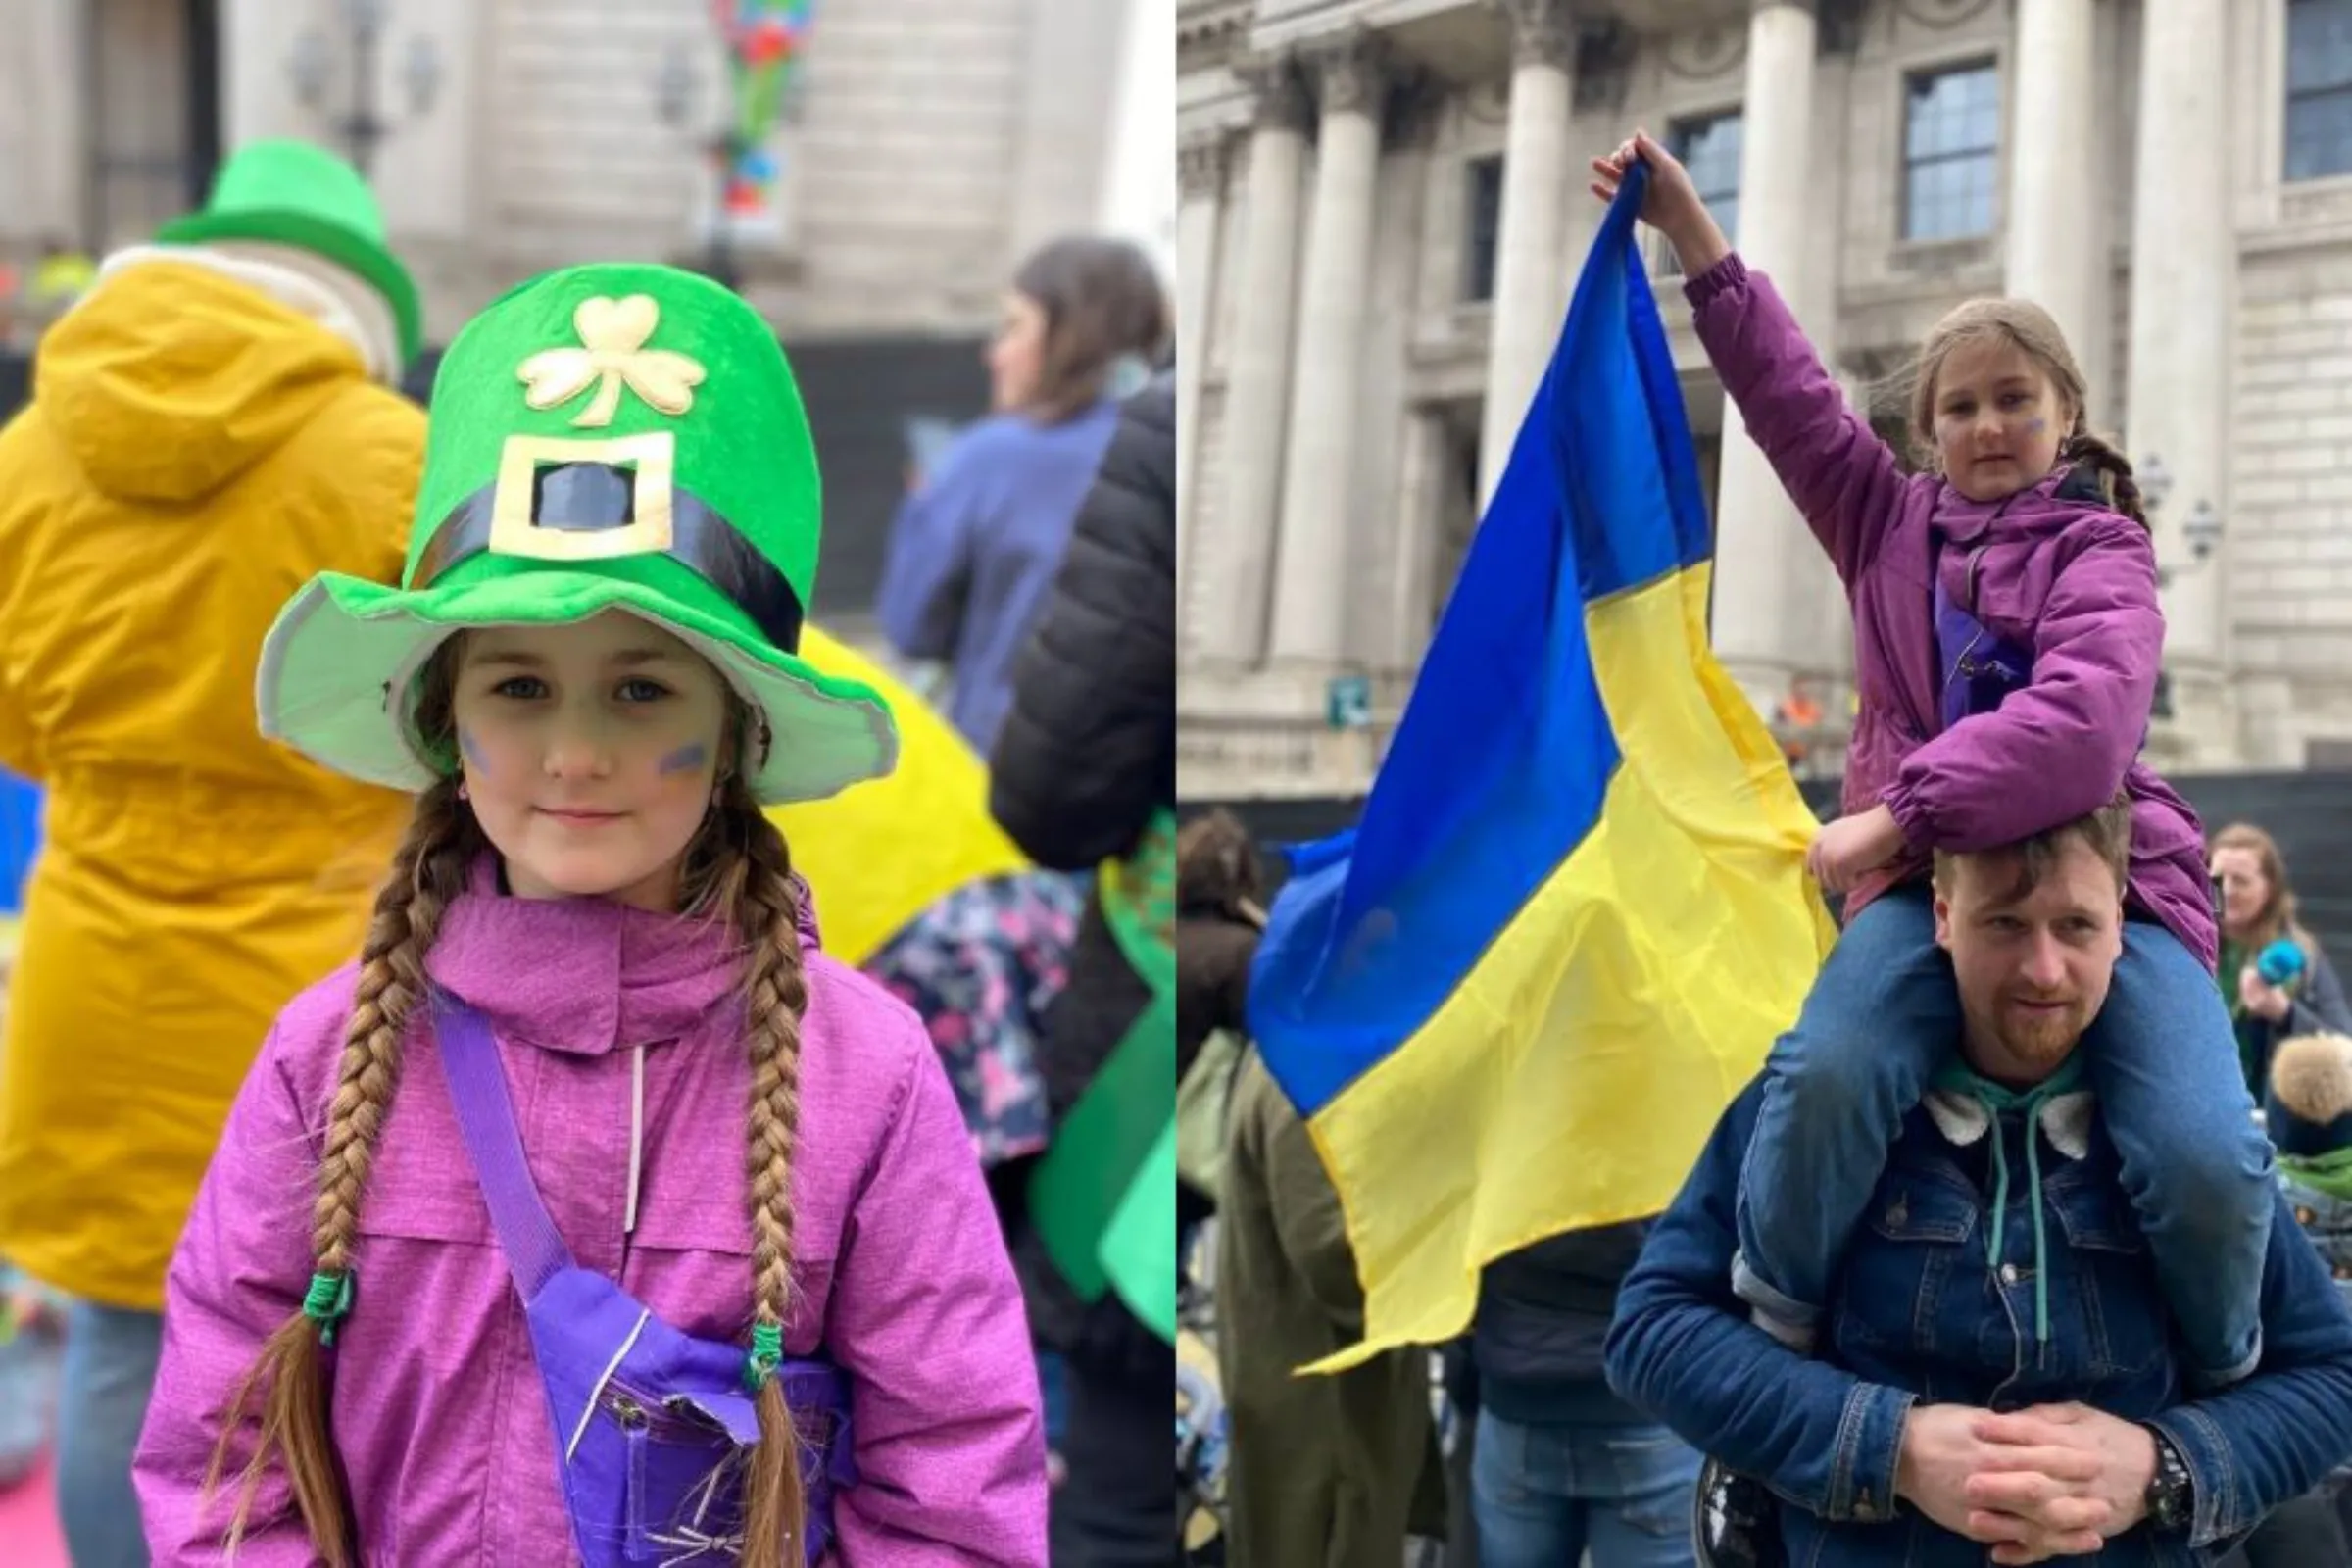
(1952, 142)
(2319, 88)
(1483, 228)
(1708, 146)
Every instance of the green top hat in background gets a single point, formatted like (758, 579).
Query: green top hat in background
(292, 193)
(602, 437)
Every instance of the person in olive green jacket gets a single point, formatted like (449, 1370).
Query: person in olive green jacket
(1325, 1471)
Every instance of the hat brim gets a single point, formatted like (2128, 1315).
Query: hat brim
(356, 253)
(337, 670)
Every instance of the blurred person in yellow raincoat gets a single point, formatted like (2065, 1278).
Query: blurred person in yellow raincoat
(869, 873)
(211, 424)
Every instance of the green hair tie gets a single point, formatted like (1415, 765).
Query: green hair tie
(767, 1353)
(329, 1303)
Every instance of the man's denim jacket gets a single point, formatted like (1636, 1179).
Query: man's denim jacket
(1920, 1315)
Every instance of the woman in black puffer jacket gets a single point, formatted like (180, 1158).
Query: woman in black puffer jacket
(1085, 761)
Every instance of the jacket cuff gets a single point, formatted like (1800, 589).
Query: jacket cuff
(2216, 1505)
(1870, 1446)
(1910, 813)
(1724, 277)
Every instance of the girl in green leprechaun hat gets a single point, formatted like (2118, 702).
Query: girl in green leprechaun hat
(592, 1112)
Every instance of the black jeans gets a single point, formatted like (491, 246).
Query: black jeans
(1116, 1506)
(2310, 1531)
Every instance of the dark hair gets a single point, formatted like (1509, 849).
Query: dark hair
(2106, 832)
(1102, 302)
(1217, 865)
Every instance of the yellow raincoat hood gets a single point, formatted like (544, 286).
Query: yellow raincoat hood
(172, 380)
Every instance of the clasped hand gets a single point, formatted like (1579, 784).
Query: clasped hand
(2054, 1481)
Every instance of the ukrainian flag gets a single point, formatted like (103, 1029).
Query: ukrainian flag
(1512, 1001)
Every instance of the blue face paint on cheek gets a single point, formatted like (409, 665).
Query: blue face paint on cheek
(686, 760)
(474, 753)
(2036, 426)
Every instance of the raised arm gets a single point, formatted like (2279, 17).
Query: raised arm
(1842, 477)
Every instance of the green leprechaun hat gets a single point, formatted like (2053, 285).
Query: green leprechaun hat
(292, 193)
(602, 437)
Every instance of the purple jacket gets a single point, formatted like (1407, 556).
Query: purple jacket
(899, 1272)
(2072, 586)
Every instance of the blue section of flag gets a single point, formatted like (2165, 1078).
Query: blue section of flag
(1500, 765)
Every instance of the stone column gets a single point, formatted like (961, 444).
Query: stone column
(42, 115)
(1201, 171)
(1420, 521)
(1258, 369)
(1530, 283)
(2052, 260)
(1068, 95)
(2184, 255)
(1310, 579)
(1139, 192)
(1759, 538)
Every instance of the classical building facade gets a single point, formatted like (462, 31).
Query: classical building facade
(930, 143)
(1383, 208)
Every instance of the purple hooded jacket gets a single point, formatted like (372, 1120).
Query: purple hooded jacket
(2074, 586)
(439, 1421)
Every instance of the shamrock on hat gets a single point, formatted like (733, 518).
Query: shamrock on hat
(604, 437)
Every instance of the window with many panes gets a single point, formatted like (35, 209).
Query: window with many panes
(2319, 88)
(1484, 227)
(1951, 152)
(1708, 146)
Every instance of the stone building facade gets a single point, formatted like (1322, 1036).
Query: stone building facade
(1383, 208)
(933, 141)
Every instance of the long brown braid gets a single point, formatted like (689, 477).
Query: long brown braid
(2093, 450)
(290, 1413)
(740, 865)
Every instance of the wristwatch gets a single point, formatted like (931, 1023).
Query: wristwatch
(2172, 1496)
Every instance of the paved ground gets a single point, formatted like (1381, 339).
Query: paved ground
(28, 1537)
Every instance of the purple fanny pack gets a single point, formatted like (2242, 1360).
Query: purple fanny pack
(1980, 670)
(651, 1426)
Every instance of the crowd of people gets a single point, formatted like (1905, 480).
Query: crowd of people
(487, 938)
